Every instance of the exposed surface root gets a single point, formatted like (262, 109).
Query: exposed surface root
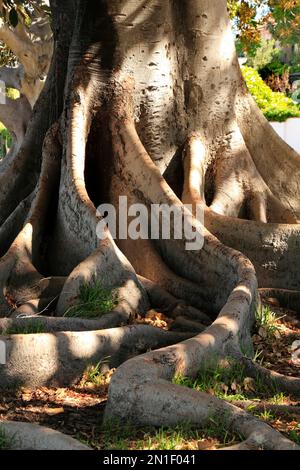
(182, 310)
(49, 261)
(281, 382)
(35, 307)
(20, 279)
(183, 324)
(28, 436)
(14, 223)
(263, 406)
(158, 296)
(63, 357)
(289, 299)
(172, 306)
(276, 260)
(50, 324)
(171, 405)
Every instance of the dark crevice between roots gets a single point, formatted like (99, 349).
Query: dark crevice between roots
(99, 164)
(43, 261)
(174, 173)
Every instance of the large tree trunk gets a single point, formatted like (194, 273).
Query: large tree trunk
(155, 109)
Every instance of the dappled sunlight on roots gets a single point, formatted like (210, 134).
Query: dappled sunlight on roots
(146, 86)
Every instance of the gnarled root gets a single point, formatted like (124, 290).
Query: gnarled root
(289, 299)
(63, 357)
(29, 436)
(215, 281)
(280, 382)
(20, 279)
(164, 403)
(172, 306)
(276, 260)
(131, 392)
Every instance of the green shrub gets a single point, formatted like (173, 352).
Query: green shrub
(275, 106)
(264, 54)
(276, 67)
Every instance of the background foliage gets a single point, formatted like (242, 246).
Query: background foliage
(275, 106)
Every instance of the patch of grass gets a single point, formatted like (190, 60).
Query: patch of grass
(228, 380)
(31, 327)
(265, 415)
(294, 434)
(215, 379)
(251, 353)
(5, 440)
(235, 397)
(117, 436)
(167, 439)
(217, 427)
(267, 319)
(94, 375)
(252, 407)
(247, 349)
(278, 399)
(257, 356)
(93, 301)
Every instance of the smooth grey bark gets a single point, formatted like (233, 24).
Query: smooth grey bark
(145, 99)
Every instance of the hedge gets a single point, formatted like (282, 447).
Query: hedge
(274, 105)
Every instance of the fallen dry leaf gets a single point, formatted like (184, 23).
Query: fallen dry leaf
(54, 411)
(234, 387)
(262, 332)
(249, 384)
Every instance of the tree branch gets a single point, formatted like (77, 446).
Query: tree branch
(15, 39)
(33, 51)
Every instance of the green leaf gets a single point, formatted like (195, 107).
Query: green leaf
(13, 17)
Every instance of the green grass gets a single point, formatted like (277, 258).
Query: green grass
(228, 381)
(31, 327)
(93, 301)
(5, 440)
(265, 415)
(93, 374)
(294, 434)
(119, 436)
(278, 399)
(267, 319)
(217, 427)
(254, 354)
